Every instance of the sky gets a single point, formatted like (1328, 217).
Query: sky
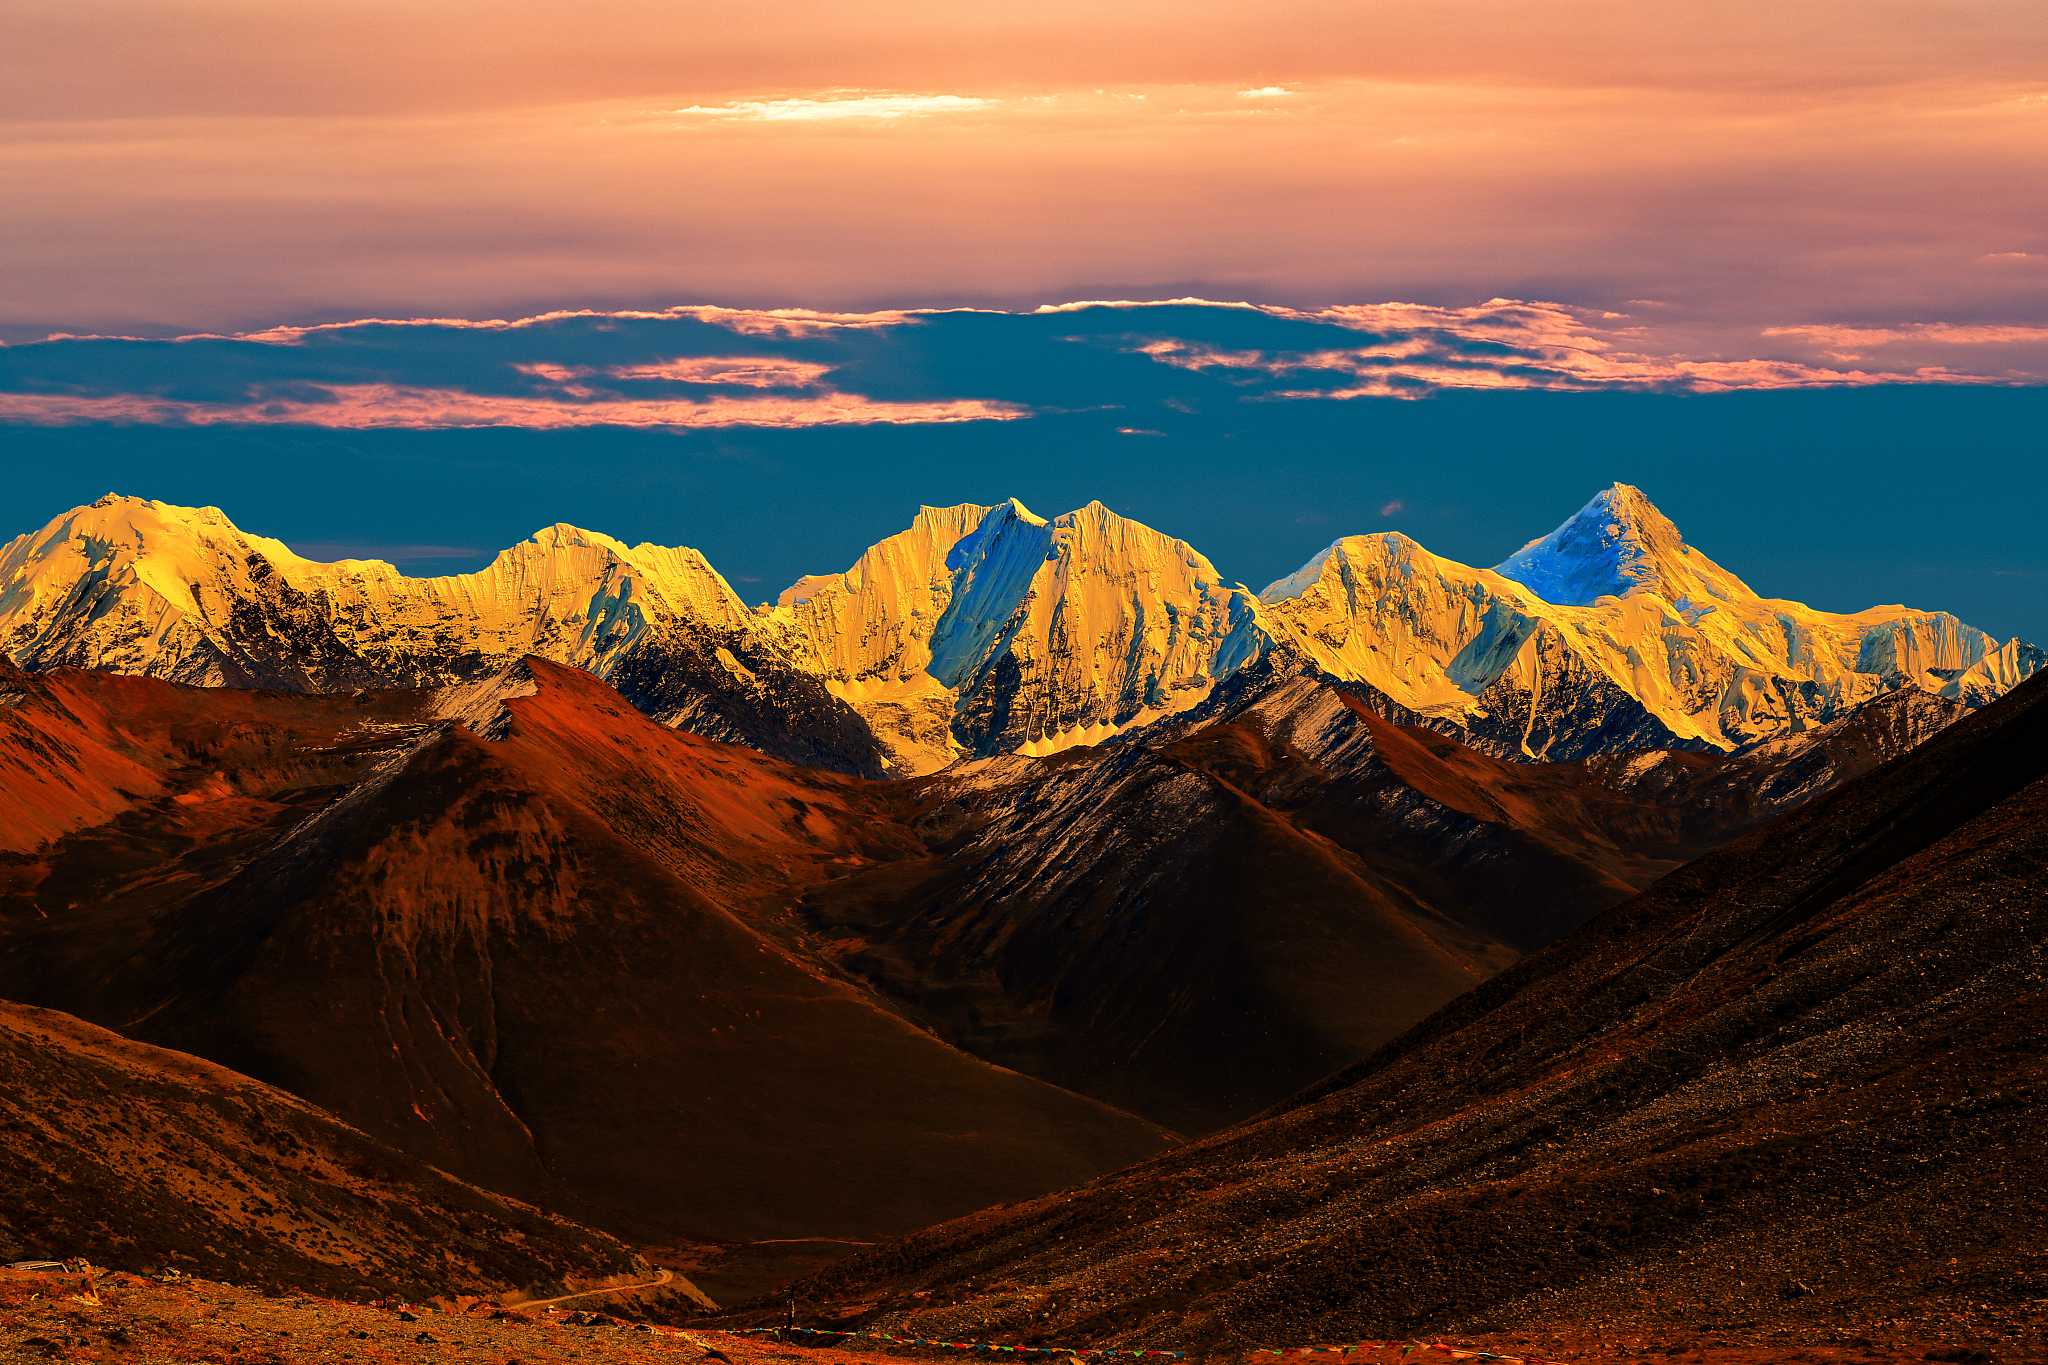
(187, 165)
(763, 277)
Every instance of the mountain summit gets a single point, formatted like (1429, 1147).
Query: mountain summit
(989, 630)
(1617, 544)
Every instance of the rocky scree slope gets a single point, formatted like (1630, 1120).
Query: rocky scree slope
(1798, 1082)
(983, 631)
(148, 1159)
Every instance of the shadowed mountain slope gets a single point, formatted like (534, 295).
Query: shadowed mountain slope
(1191, 929)
(1799, 1080)
(534, 961)
(522, 932)
(1196, 928)
(142, 1157)
(1126, 924)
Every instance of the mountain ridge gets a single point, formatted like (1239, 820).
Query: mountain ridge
(1795, 1085)
(546, 954)
(983, 630)
(1155, 925)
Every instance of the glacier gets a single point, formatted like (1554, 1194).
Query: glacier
(982, 631)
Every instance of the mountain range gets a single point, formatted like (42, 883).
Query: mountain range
(1022, 852)
(984, 631)
(522, 932)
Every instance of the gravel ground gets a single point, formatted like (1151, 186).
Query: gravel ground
(46, 1316)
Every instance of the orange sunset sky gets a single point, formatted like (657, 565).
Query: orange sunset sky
(1711, 169)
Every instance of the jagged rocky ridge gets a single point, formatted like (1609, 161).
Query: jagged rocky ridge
(982, 631)
(1195, 925)
(1797, 1084)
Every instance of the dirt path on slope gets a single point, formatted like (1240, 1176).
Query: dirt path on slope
(662, 1278)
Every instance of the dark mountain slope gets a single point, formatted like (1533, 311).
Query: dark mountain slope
(524, 933)
(534, 961)
(1130, 926)
(1195, 929)
(1799, 1080)
(140, 1157)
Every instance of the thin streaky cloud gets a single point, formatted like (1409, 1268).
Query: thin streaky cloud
(754, 372)
(373, 406)
(746, 321)
(852, 106)
(1942, 332)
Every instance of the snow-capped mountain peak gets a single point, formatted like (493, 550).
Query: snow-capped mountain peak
(563, 536)
(986, 630)
(1386, 546)
(1025, 514)
(1609, 633)
(156, 562)
(1618, 544)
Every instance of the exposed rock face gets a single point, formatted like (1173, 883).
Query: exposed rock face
(1800, 1081)
(989, 630)
(142, 1158)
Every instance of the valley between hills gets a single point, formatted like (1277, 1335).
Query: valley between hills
(1038, 940)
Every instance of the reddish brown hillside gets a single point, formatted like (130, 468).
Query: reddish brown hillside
(143, 1158)
(1196, 929)
(664, 984)
(531, 961)
(1799, 1083)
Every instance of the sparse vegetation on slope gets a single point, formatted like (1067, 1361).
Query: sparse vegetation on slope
(1798, 1082)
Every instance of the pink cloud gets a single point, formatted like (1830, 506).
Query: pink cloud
(1391, 508)
(1766, 182)
(757, 372)
(786, 322)
(1387, 350)
(1942, 332)
(1423, 348)
(365, 406)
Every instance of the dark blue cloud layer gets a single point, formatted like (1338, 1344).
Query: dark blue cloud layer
(559, 369)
